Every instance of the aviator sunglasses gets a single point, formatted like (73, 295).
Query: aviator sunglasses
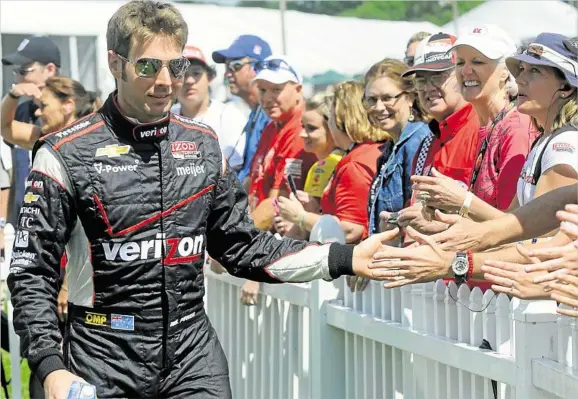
(150, 67)
(274, 65)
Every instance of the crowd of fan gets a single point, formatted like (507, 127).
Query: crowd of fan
(461, 150)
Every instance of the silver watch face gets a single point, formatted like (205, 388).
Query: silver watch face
(460, 267)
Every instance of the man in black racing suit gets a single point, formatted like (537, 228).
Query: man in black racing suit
(135, 205)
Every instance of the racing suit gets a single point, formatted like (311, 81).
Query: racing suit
(135, 206)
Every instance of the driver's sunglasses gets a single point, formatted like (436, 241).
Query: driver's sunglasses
(237, 65)
(150, 67)
(23, 70)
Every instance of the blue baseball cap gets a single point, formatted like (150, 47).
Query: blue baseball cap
(244, 46)
(553, 50)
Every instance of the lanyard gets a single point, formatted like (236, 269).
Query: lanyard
(486, 142)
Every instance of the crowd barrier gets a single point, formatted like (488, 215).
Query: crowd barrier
(321, 341)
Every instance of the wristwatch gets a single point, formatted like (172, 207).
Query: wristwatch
(461, 266)
(2, 223)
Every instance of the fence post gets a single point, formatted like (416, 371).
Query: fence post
(327, 345)
(535, 336)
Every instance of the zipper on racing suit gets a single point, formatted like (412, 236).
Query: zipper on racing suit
(164, 296)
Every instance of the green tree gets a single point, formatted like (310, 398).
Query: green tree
(430, 11)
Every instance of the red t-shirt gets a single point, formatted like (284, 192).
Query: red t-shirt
(279, 153)
(348, 190)
(508, 148)
(455, 146)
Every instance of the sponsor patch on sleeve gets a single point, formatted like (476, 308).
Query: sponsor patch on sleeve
(122, 322)
(564, 147)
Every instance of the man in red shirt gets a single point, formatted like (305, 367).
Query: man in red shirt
(452, 147)
(280, 152)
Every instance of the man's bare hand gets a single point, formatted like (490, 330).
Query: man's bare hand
(63, 303)
(57, 384)
(250, 293)
(26, 90)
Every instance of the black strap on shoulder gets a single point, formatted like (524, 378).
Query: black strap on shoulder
(538, 170)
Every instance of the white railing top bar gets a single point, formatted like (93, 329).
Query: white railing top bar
(469, 358)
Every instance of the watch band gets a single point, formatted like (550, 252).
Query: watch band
(470, 256)
(14, 96)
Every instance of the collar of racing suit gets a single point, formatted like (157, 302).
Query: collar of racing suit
(128, 128)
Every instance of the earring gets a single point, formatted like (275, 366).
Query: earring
(411, 117)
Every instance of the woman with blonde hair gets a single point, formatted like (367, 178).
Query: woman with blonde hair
(393, 107)
(61, 102)
(346, 193)
(317, 139)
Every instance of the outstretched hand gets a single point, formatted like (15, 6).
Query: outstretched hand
(402, 266)
(364, 251)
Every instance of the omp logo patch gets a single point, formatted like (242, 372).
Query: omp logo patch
(112, 151)
(95, 319)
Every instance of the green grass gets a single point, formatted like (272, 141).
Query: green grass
(24, 373)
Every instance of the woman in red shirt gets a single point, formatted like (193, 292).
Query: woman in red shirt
(345, 196)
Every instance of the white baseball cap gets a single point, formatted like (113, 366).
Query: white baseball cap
(276, 69)
(490, 40)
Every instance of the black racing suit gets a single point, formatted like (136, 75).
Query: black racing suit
(136, 206)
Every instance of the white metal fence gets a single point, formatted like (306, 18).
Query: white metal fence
(414, 342)
(320, 341)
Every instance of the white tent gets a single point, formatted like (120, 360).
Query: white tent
(316, 43)
(523, 20)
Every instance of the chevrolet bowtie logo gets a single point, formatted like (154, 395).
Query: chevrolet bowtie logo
(29, 197)
(112, 151)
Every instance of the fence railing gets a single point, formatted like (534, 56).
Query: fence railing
(418, 342)
(321, 341)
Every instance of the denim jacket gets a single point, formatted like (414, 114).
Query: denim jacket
(391, 187)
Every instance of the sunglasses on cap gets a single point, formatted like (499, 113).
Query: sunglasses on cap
(274, 65)
(237, 65)
(538, 51)
(150, 67)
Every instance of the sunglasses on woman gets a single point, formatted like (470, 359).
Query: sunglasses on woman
(150, 67)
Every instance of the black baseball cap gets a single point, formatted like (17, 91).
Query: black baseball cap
(34, 49)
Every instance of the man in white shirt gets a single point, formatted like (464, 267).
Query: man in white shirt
(195, 103)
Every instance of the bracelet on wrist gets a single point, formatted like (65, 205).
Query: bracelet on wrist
(465, 209)
(301, 220)
(14, 96)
